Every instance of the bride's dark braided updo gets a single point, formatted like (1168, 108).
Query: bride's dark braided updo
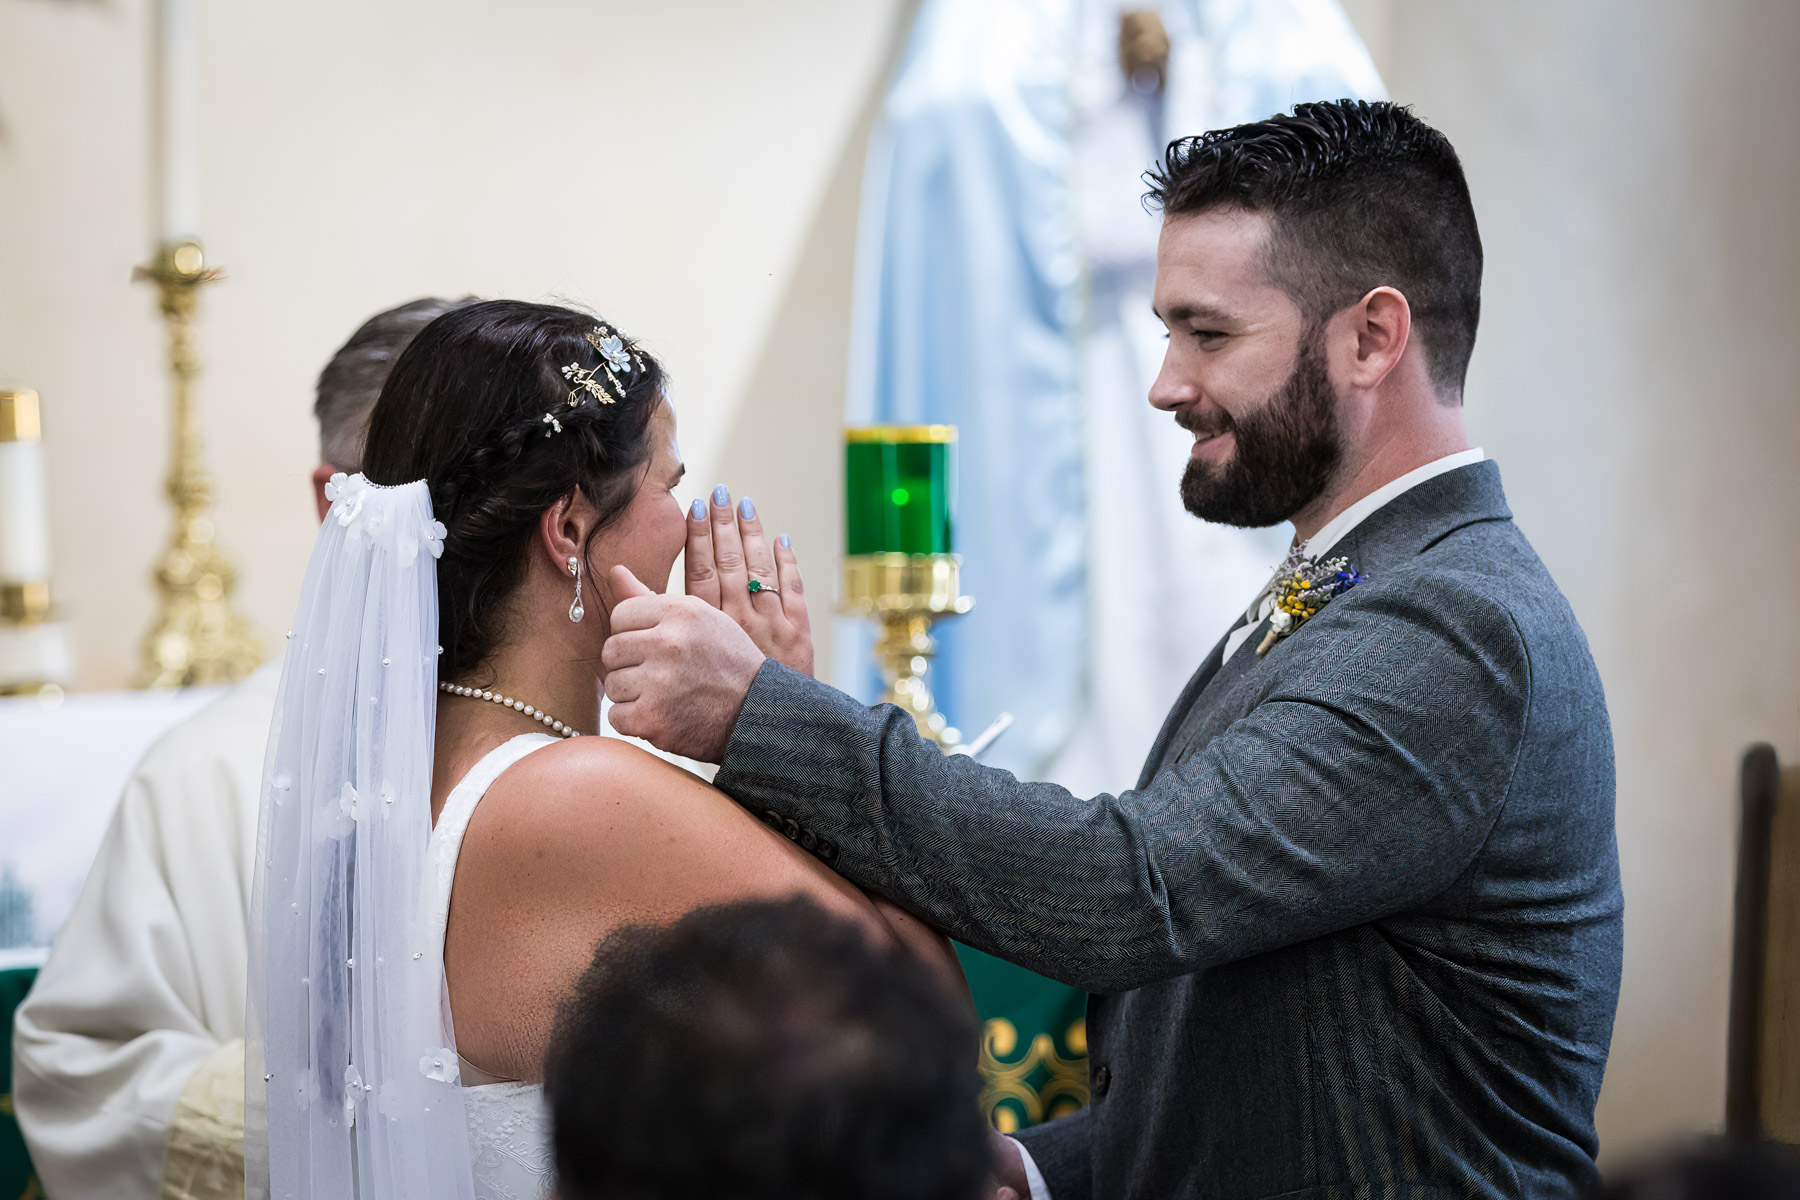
(464, 409)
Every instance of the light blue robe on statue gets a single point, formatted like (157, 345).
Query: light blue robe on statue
(1002, 254)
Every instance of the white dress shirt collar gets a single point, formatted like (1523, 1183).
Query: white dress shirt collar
(1333, 531)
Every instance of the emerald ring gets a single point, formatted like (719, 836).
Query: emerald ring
(757, 585)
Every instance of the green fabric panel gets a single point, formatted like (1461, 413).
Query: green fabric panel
(16, 1179)
(1033, 1042)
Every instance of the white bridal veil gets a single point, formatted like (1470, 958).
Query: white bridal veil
(351, 1079)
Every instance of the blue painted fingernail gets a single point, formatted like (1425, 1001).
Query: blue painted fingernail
(786, 542)
(747, 509)
(698, 512)
(722, 496)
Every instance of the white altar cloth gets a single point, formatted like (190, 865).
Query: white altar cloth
(62, 767)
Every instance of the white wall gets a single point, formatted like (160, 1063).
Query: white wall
(661, 162)
(1636, 174)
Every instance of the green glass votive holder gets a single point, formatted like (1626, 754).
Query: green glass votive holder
(898, 489)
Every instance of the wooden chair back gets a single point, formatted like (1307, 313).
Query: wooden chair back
(1762, 1088)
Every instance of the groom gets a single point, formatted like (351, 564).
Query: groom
(1357, 929)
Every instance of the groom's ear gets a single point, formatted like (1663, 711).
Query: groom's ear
(1374, 333)
(320, 477)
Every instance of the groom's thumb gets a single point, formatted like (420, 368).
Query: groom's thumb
(626, 585)
(634, 606)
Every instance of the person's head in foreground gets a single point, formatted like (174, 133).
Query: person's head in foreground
(764, 1050)
(1320, 278)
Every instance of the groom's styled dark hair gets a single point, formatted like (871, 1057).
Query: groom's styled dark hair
(1361, 194)
(764, 1051)
(505, 407)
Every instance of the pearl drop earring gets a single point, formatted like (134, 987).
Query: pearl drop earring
(576, 612)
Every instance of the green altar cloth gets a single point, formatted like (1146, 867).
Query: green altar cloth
(1033, 1042)
(17, 1182)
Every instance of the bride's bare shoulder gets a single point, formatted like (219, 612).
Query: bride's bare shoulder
(590, 779)
(587, 762)
(589, 804)
(582, 834)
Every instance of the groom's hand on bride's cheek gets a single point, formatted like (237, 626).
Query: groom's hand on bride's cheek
(733, 566)
(677, 670)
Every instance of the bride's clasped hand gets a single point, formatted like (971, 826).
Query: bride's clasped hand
(735, 567)
(734, 573)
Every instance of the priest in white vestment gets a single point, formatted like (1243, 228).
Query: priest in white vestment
(128, 1054)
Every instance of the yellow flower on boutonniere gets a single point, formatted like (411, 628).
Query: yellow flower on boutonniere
(1301, 592)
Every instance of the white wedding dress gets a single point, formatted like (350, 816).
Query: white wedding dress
(509, 1129)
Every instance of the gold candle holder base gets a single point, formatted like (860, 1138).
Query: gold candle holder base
(906, 594)
(36, 658)
(198, 637)
(24, 603)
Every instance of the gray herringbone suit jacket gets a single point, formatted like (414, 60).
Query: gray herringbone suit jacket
(1356, 932)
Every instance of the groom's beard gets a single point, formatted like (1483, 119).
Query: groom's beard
(1283, 454)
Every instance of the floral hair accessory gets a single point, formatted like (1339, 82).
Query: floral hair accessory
(612, 348)
(586, 379)
(1302, 590)
(615, 358)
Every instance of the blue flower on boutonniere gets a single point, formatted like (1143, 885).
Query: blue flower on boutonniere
(1302, 591)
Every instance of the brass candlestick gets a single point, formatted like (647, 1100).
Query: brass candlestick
(197, 637)
(906, 594)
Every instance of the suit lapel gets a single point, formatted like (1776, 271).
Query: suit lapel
(1183, 703)
(1401, 529)
(1205, 704)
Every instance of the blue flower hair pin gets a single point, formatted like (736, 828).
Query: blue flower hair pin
(615, 357)
(1302, 591)
(612, 348)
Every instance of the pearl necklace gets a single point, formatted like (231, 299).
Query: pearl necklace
(537, 714)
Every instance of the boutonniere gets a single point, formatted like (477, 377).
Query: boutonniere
(1302, 591)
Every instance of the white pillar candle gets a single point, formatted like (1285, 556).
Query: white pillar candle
(24, 509)
(177, 120)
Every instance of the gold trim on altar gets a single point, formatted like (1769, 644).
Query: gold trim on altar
(1040, 1084)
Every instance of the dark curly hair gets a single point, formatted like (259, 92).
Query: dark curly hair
(764, 1051)
(1361, 193)
(464, 409)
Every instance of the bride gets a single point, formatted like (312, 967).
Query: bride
(440, 848)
